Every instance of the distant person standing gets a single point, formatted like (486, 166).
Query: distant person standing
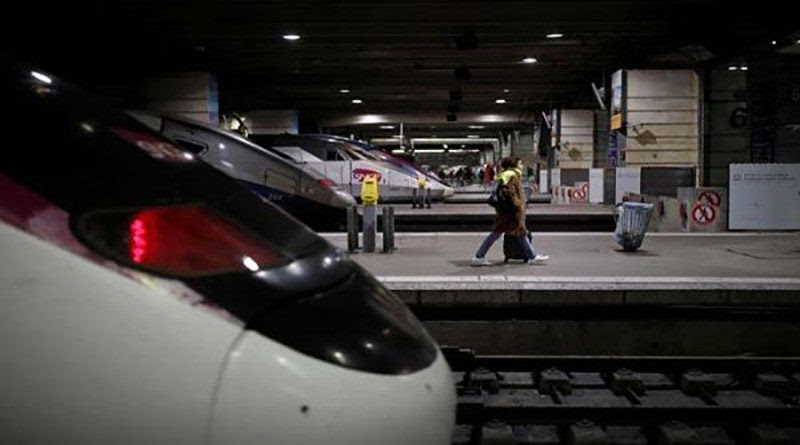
(487, 174)
(510, 220)
(421, 193)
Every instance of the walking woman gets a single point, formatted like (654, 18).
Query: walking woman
(510, 220)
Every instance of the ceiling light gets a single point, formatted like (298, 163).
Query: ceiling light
(797, 42)
(387, 127)
(41, 77)
(473, 136)
(357, 101)
(476, 127)
(774, 42)
(529, 60)
(344, 91)
(506, 91)
(499, 101)
(291, 37)
(743, 67)
(555, 35)
(733, 68)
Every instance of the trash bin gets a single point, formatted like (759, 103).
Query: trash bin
(632, 220)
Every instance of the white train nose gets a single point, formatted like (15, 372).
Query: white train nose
(272, 394)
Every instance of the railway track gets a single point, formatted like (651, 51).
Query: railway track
(625, 400)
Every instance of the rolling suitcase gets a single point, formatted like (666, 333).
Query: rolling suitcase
(512, 248)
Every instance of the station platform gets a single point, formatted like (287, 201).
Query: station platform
(434, 269)
(447, 216)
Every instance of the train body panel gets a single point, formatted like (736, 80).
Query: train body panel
(366, 407)
(293, 186)
(347, 163)
(92, 356)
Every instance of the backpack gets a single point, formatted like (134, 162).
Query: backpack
(499, 197)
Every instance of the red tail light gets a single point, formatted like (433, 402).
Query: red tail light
(327, 182)
(184, 241)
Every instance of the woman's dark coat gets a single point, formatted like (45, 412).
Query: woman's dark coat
(512, 221)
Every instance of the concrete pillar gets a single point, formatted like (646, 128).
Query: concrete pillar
(773, 87)
(601, 130)
(661, 118)
(272, 121)
(522, 146)
(193, 95)
(725, 123)
(577, 139)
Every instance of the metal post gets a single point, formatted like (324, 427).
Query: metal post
(391, 225)
(352, 229)
(370, 227)
(388, 229)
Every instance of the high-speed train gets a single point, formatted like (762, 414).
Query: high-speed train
(149, 298)
(347, 163)
(404, 164)
(302, 191)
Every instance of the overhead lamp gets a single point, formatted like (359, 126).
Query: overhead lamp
(41, 77)
(291, 37)
(529, 60)
(743, 67)
(555, 35)
(357, 101)
(499, 101)
(797, 42)
(774, 42)
(387, 127)
(506, 90)
(344, 91)
(476, 127)
(733, 68)
(473, 136)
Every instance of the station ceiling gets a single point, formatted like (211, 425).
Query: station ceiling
(400, 58)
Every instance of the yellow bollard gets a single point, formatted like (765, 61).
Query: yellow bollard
(369, 190)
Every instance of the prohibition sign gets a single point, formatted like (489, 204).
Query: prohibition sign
(579, 194)
(710, 197)
(703, 214)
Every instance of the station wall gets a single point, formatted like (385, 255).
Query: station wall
(577, 139)
(662, 118)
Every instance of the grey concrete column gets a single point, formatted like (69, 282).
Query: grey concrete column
(194, 95)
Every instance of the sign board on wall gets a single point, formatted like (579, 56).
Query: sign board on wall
(617, 99)
(629, 180)
(596, 185)
(764, 197)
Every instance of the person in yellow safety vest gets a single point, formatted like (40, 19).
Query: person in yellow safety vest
(422, 192)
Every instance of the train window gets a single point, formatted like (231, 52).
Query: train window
(191, 146)
(334, 156)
